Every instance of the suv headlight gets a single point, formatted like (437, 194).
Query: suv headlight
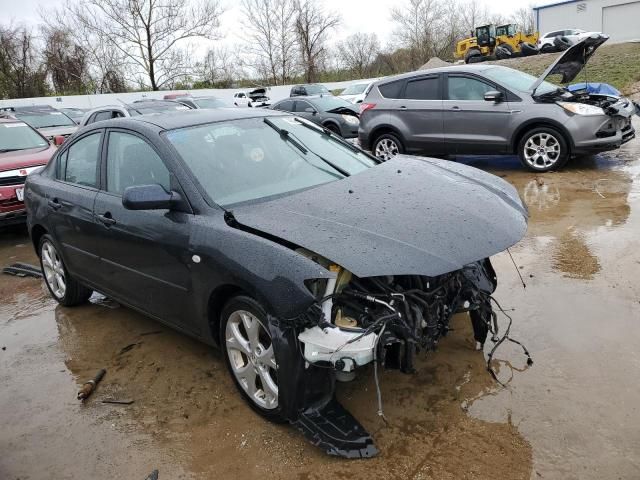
(350, 119)
(581, 108)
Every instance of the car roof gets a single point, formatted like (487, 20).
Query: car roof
(451, 68)
(189, 118)
(8, 119)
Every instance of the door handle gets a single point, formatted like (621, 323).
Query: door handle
(54, 204)
(107, 219)
(455, 107)
(402, 107)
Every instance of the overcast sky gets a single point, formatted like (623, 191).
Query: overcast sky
(357, 15)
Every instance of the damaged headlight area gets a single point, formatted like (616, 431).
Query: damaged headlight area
(393, 318)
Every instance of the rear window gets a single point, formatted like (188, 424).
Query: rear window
(391, 89)
(423, 89)
(45, 119)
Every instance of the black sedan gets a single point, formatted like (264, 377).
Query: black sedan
(330, 112)
(300, 256)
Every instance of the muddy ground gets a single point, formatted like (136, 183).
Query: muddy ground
(574, 415)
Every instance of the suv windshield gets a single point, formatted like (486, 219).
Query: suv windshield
(45, 119)
(355, 89)
(248, 159)
(210, 103)
(517, 80)
(19, 136)
(316, 89)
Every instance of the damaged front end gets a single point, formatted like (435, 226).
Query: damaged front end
(386, 320)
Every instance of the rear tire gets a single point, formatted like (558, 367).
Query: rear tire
(249, 355)
(387, 146)
(543, 149)
(62, 286)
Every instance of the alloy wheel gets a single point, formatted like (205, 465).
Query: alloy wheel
(252, 359)
(53, 270)
(542, 150)
(386, 149)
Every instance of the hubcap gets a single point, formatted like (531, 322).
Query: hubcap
(252, 359)
(542, 150)
(53, 270)
(386, 149)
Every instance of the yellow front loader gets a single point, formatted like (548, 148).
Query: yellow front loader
(488, 38)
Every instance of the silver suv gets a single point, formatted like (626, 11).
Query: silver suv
(490, 109)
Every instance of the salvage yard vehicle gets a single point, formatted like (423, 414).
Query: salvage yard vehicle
(335, 114)
(489, 109)
(74, 113)
(301, 256)
(491, 42)
(49, 121)
(251, 98)
(309, 89)
(200, 101)
(22, 150)
(139, 107)
(562, 39)
(355, 93)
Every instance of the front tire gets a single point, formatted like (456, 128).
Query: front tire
(387, 146)
(249, 355)
(543, 149)
(62, 286)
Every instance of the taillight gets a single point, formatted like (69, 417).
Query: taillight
(366, 106)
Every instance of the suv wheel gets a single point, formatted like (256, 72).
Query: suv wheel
(61, 285)
(387, 146)
(543, 149)
(249, 354)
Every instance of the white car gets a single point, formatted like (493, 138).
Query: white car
(251, 98)
(545, 43)
(356, 92)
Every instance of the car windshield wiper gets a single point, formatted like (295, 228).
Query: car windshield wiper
(333, 136)
(294, 140)
(5, 150)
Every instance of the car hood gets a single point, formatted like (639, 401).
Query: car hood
(345, 111)
(573, 60)
(30, 157)
(406, 216)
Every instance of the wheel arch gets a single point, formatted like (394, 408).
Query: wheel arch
(37, 232)
(216, 302)
(383, 129)
(538, 123)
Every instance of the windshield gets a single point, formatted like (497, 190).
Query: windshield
(325, 104)
(355, 89)
(45, 119)
(248, 159)
(210, 103)
(19, 136)
(517, 80)
(316, 89)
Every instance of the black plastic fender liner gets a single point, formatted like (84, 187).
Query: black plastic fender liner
(336, 431)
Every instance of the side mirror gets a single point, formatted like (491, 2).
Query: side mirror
(493, 96)
(58, 140)
(310, 110)
(148, 197)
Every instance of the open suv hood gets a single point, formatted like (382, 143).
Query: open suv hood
(406, 216)
(573, 60)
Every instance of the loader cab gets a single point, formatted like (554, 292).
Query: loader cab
(509, 30)
(486, 36)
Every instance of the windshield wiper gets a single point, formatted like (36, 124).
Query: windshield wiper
(294, 140)
(286, 135)
(5, 150)
(333, 136)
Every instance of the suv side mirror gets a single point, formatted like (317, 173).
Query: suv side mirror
(58, 140)
(149, 197)
(493, 96)
(310, 110)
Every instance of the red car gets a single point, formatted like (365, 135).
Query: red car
(22, 150)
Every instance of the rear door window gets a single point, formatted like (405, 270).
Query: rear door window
(467, 88)
(285, 106)
(427, 88)
(79, 164)
(301, 106)
(391, 89)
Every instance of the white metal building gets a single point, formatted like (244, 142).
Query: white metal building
(620, 19)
